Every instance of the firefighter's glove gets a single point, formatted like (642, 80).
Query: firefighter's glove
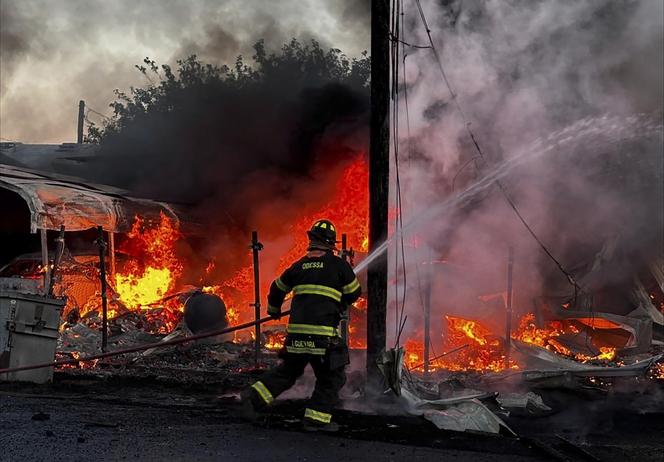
(273, 312)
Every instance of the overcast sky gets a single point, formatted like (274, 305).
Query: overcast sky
(55, 52)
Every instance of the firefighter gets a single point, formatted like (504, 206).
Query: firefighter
(323, 285)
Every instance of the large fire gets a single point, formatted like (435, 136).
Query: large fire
(152, 271)
(144, 279)
(151, 274)
(472, 346)
(149, 279)
(348, 209)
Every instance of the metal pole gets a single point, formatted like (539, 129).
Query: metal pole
(256, 247)
(102, 277)
(81, 118)
(111, 251)
(56, 260)
(508, 316)
(379, 169)
(45, 263)
(427, 311)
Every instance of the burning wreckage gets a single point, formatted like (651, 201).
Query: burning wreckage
(113, 292)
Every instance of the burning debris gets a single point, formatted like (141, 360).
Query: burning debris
(149, 294)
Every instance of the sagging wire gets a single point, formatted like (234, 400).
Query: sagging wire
(402, 42)
(568, 275)
(98, 113)
(86, 117)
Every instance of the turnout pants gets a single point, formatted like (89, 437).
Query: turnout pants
(330, 378)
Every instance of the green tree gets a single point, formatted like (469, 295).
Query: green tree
(297, 65)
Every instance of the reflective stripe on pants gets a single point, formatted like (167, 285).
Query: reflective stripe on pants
(306, 350)
(263, 392)
(317, 416)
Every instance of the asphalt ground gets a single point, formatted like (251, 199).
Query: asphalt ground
(176, 416)
(60, 429)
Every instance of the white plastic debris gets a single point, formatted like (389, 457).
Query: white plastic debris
(531, 402)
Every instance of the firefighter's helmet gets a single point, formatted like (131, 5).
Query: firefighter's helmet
(323, 230)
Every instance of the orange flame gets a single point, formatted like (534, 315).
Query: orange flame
(149, 277)
(477, 349)
(348, 210)
(275, 340)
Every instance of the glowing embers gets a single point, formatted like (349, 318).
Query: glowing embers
(658, 371)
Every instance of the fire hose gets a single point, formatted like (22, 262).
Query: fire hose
(143, 347)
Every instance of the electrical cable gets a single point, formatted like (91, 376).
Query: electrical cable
(396, 39)
(98, 113)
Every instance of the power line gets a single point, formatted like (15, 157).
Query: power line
(98, 113)
(397, 39)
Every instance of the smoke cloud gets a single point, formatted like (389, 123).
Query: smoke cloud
(559, 84)
(55, 52)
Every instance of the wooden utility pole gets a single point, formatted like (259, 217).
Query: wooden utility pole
(81, 118)
(379, 169)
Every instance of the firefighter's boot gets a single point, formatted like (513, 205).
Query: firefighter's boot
(247, 408)
(311, 426)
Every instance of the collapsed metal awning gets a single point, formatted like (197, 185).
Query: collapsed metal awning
(56, 200)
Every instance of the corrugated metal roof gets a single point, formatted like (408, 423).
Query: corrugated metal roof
(56, 200)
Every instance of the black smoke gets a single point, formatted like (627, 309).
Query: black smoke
(205, 136)
(55, 52)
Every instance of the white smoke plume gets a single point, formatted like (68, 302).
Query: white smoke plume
(566, 78)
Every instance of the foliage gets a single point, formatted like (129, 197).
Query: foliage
(296, 67)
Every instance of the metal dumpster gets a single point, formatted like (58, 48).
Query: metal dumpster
(28, 334)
